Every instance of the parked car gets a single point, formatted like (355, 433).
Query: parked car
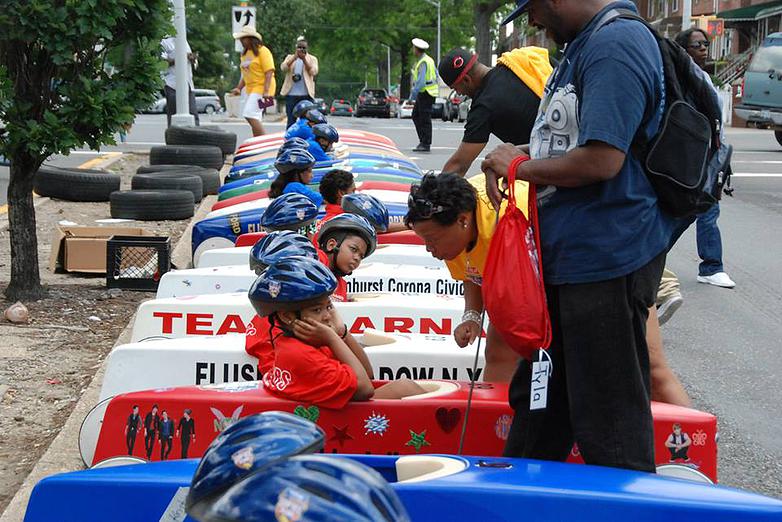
(438, 107)
(451, 109)
(464, 108)
(373, 101)
(406, 109)
(207, 102)
(761, 102)
(322, 105)
(341, 107)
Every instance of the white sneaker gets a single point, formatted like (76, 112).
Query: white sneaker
(718, 279)
(667, 308)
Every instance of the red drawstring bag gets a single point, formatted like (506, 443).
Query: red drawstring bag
(513, 292)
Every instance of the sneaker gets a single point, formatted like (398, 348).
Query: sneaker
(421, 148)
(720, 279)
(667, 308)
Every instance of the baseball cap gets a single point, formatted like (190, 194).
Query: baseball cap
(521, 6)
(455, 65)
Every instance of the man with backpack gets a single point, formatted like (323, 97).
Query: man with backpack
(603, 237)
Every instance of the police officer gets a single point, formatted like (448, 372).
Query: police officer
(424, 91)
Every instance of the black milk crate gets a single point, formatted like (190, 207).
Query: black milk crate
(137, 262)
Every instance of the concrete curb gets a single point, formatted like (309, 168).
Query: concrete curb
(63, 453)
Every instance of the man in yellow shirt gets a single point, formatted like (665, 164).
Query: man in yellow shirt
(257, 85)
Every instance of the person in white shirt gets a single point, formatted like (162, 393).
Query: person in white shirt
(169, 55)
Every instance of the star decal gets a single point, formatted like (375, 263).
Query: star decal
(376, 424)
(417, 440)
(341, 435)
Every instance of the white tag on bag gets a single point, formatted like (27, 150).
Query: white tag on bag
(538, 393)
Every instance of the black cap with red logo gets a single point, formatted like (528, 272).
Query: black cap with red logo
(455, 65)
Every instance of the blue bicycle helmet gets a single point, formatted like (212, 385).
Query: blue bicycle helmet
(340, 226)
(277, 245)
(291, 284)
(315, 116)
(311, 488)
(293, 143)
(292, 211)
(301, 108)
(326, 131)
(368, 207)
(294, 160)
(246, 447)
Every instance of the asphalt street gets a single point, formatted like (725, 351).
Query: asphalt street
(722, 343)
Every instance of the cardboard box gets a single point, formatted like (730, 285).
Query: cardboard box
(83, 249)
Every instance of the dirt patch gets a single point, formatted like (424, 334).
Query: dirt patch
(46, 365)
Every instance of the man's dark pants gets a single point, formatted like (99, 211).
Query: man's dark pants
(149, 442)
(171, 104)
(185, 446)
(130, 441)
(165, 447)
(599, 392)
(422, 117)
(290, 103)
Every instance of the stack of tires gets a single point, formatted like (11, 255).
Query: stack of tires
(73, 184)
(180, 174)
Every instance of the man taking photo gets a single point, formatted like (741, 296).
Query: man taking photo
(300, 70)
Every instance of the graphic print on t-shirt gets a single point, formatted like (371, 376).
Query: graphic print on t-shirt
(556, 130)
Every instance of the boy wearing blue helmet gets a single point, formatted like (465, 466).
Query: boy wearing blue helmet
(325, 136)
(303, 126)
(345, 241)
(295, 172)
(373, 210)
(313, 364)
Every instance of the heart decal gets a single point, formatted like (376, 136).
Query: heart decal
(447, 419)
(312, 413)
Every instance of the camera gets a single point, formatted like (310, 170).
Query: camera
(297, 77)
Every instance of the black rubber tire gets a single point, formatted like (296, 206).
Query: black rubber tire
(152, 205)
(207, 156)
(172, 180)
(202, 136)
(210, 178)
(73, 184)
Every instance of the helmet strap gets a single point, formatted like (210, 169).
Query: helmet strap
(334, 252)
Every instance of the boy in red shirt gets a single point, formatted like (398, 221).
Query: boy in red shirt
(315, 360)
(333, 186)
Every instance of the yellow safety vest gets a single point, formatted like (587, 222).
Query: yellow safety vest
(430, 77)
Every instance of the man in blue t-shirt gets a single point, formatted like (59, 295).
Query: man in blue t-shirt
(603, 237)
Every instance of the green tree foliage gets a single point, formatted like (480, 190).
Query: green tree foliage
(58, 93)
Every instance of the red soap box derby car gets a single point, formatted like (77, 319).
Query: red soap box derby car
(428, 423)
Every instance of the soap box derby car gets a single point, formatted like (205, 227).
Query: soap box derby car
(431, 487)
(369, 278)
(430, 422)
(221, 314)
(208, 360)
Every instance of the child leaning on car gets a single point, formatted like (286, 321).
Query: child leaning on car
(315, 359)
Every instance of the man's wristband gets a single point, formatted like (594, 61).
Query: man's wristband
(346, 331)
(472, 315)
(514, 165)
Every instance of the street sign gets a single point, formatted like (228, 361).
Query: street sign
(716, 27)
(241, 16)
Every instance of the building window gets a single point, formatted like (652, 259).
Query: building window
(674, 6)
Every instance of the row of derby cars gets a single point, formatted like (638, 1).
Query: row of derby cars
(187, 353)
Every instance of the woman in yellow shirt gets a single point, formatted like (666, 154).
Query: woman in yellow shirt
(456, 220)
(257, 84)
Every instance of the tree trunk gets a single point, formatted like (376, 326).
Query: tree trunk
(404, 82)
(483, 12)
(25, 280)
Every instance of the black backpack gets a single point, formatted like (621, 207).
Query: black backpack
(686, 162)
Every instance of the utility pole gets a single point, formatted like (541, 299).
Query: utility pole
(388, 68)
(437, 3)
(182, 118)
